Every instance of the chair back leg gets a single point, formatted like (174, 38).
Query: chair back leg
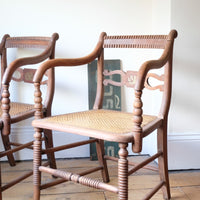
(49, 144)
(102, 161)
(0, 184)
(163, 159)
(7, 146)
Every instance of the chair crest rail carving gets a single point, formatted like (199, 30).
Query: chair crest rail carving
(27, 42)
(135, 41)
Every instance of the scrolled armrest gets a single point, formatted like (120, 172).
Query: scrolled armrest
(45, 43)
(144, 69)
(22, 62)
(69, 62)
(156, 64)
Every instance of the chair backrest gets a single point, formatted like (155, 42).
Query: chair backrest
(133, 78)
(139, 79)
(47, 46)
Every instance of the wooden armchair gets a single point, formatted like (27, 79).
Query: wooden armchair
(116, 126)
(12, 112)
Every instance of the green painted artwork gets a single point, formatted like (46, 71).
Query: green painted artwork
(112, 100)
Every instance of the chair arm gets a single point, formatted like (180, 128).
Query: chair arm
(5, 106)
(61, 62)
(137, 106)
(22, 62)
(141, 76)
(69, 62)
(29, 60)
(156, 64)
(6, 80)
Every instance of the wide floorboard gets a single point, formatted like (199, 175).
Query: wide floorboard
(185, 185)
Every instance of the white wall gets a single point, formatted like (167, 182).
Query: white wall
(161, 16)
(184, 126)
(161, 24)
(186, 69)
(184, 130)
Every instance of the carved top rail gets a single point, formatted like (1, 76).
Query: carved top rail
(27, 42)
(129, 79)
(135, 41)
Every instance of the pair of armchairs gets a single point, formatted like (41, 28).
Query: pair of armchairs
(98, 124)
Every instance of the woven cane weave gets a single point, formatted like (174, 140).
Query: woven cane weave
(19, 108)
(101, 120)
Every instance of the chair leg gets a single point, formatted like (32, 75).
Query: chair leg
(123, 172)
(49, 144)
(163, 159)
(0, 184)
(102, 161)
(37, 163)
(6, 143)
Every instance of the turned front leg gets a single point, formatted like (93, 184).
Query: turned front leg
(37, 145)
(123, 172)
(37, 163)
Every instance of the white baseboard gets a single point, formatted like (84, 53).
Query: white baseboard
(183, 151)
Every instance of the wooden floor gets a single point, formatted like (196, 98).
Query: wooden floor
(185, 185)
